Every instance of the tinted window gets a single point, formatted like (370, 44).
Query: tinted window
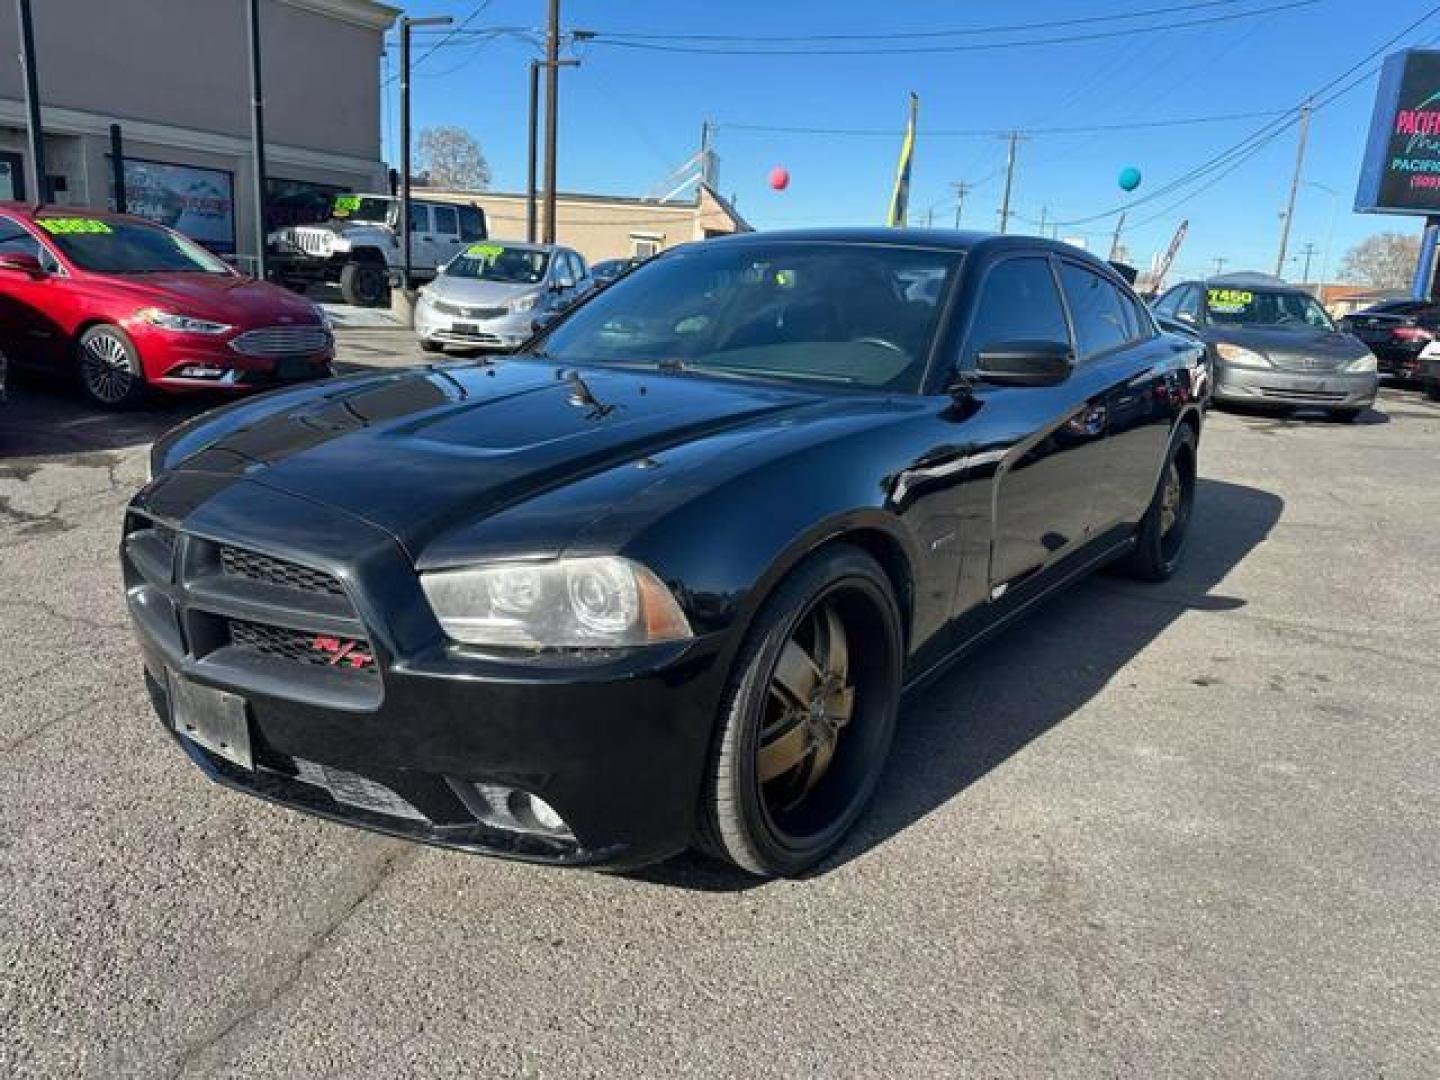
(446, 220)
(1018, 302)
(16, 241)
(1096, 309)
(821, 313)
(1166, 304)
(1190, 303)
(472, 223)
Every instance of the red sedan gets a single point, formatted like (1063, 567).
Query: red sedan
(129, 305)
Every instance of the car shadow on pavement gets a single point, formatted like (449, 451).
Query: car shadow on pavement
(44, 418)
(1030, 678)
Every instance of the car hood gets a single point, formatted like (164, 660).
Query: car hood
(231, 299)
(422, 452)
(480, 293)
(1281, 343)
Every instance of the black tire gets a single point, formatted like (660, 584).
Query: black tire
(1160, 541)
(362, 283)
(431, 346)
(824, 757)
(1345, 416)
(108, 368)
(1432, 389)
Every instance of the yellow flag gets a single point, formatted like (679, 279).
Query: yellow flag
(900, 198)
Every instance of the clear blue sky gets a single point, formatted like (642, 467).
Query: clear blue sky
(630, 116)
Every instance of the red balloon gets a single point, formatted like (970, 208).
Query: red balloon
(779, 178)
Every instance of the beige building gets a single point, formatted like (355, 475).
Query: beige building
(174, 74)
(611, 226)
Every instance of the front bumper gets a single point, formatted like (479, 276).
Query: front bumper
(507, 332)
(1260, 386)
(186, 362)
(616, 747)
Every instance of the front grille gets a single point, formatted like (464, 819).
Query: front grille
(310, 241)
(282, 341)
(1305, 395)
(1316, 364)
(470, 312)
(238, 562)
(302, 646)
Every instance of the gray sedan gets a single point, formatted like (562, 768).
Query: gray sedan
(1273, 344)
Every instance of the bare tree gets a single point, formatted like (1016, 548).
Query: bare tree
(1383, 261)
(451, 158)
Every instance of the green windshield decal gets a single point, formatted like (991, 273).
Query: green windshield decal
(1229, 301)
(345, 205)
(59, 226)
(488, 252)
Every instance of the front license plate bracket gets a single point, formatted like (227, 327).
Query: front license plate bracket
(214, 719)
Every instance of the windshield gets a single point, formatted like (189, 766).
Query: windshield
(1246, 307)
(128, 247)
(363, 208)
(830, 313)
(496, 262)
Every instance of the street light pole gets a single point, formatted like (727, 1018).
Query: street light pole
(32, 102)
(257, 136)
(552, 90)
(406, 25)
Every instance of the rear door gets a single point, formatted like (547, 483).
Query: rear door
(1125, 364)
(448, 240)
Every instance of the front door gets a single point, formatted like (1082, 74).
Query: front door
(1048, 441)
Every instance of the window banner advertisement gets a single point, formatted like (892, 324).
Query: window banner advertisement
(200, 203)
(297, 202)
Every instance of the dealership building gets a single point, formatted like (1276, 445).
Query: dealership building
(174, 75)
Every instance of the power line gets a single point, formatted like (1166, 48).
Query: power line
(1252, 143)
(449, 35)
(903, 35)
(947, 132)
(617, 41)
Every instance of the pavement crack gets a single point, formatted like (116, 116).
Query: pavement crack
(400, 855)
(70, 618)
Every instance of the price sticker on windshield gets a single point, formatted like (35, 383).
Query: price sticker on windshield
(488, 252)
(1229, 300)
(345, 205)
(71, 226)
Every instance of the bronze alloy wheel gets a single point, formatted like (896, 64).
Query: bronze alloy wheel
(808, 718)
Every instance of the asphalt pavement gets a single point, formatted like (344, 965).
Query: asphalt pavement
(1178, 830)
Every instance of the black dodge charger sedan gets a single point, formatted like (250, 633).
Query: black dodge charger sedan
(662, 578)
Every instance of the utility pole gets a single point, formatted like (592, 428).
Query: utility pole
(1220, 262)
(961, 189)
(1009, 179)
(1308, 250)
(707, 159)
(552, 90)
(257, 137)
(533, 149)
(32, 102)
(406, 25)
(1294, 189)
(1115, 240)
(1044, 212)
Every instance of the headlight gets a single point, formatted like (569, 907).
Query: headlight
(1363, 365)
(184, 324)
(601, 602)
(1235, 354)
(525, 303)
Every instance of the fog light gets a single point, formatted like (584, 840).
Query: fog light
(201, 371)
(543, 813)
(511, 809)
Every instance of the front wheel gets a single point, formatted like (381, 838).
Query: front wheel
(362, 284)
(109, 368)
(807, 719)
(1432, 389)
(1161, 537)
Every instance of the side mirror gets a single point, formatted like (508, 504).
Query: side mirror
(22, 262)
(1185, 317)
(561, 284)
(1024, 363)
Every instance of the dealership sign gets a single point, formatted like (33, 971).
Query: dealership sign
(1401, 171)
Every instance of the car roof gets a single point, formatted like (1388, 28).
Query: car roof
(970, 241)
(1250, 280)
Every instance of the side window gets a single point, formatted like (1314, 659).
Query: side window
(1189, 305)
(1095, 307)
(1142, 324)
(472, 223)
(579, 264)
(1166, 304)
(1018, 302)
(447, 221)
(567, 268)
(419, 218)
(14, 238)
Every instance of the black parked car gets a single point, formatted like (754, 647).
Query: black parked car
(1271, 344)
(1396, 331)
(608, 271)
(662, 578)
